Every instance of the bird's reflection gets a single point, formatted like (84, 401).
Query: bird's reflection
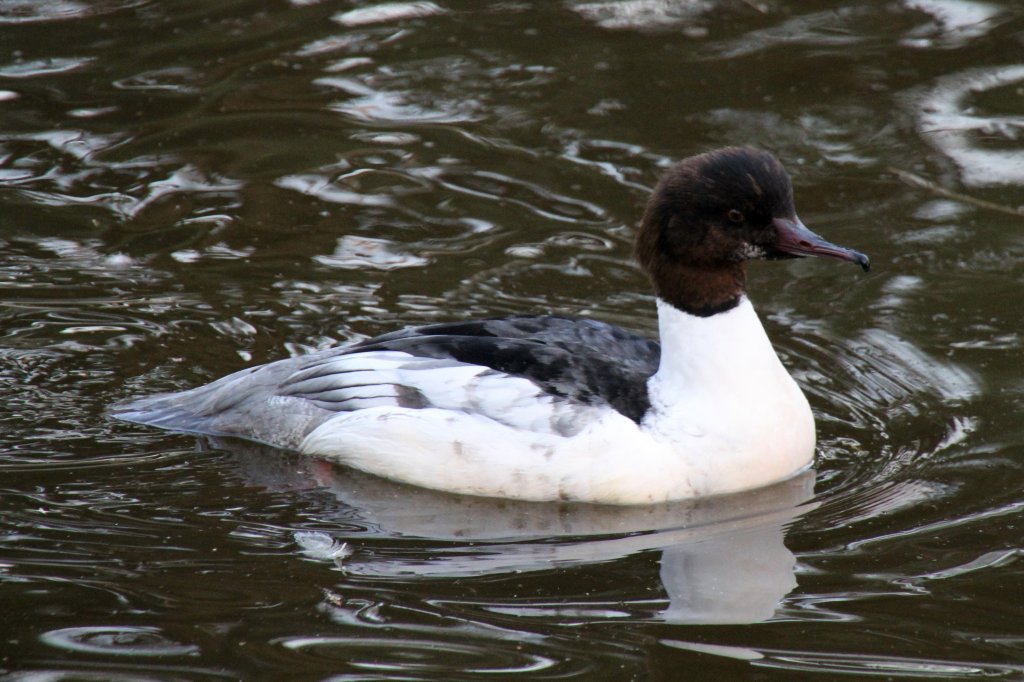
(723, 559)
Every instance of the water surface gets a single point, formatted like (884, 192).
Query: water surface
(190, 188)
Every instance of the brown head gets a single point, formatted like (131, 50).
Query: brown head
(710, 214)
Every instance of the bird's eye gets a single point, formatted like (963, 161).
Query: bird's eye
(735, 216)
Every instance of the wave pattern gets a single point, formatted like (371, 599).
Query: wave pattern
(190, 188)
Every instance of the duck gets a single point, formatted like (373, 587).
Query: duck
(564, 409)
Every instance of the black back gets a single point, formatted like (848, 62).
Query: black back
(581, 360)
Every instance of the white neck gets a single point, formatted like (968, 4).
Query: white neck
(720, 389)
(702, 351)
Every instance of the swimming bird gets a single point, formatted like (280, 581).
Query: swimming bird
(542, 407)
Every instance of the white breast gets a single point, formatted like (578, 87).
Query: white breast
(724, 397)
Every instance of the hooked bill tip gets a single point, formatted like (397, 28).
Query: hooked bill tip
(863, 261)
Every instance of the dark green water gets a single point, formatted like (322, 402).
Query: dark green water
(188, 188)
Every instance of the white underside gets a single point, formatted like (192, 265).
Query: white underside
(726, 416)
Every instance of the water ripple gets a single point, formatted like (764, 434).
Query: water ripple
(951, 120)
(120, 640)
(645, 14)
(954, 22)
(32, 11)
(43, 67)
(834, 29)
(369, 104)
(832, 663)
(189, 188)
(357, 253)
(365, 655)
(388, 12)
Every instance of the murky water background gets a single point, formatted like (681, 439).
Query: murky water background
(188, 188)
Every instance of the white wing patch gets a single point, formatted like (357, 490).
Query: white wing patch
(381, 379)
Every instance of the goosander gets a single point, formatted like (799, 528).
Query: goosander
(553, 408)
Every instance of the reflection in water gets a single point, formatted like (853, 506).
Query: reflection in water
(723, 559)
(183, 183)
(645, 14)
(41, 67)
(31, 11)
(355, 253)
(956, 22)
(368, 104)
(831, 28)
(386, 13)
(950, 120)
